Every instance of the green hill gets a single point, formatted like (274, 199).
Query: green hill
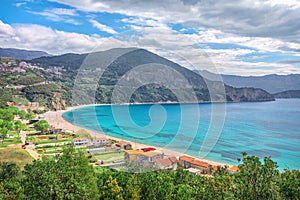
(101, 71)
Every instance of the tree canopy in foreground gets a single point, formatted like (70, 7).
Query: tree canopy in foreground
(70, 176)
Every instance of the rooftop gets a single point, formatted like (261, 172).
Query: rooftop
(148, 149)
(234, 168)
(151, 153)
(77, 139)
(200, 163)
(186, 158)
(165, 162)
(101, 139)
(173, 159)
(137, 151)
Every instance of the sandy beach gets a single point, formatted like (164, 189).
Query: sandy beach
(55, 119)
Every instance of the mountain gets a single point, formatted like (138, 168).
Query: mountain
(272, 83)
(288, 94)
(147, 77)
(21, 54)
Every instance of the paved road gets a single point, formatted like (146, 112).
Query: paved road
(23, 86)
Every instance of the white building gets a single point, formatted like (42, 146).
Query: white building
(101, 142)
(80, 142)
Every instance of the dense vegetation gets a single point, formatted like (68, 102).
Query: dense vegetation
(42, 85)
(16, 79)
(157, 92)
(7, 122)
(70, 176)
(34, 86)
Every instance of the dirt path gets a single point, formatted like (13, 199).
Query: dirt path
(33, 153)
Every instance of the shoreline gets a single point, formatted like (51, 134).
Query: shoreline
(165, 102)
(56, 119)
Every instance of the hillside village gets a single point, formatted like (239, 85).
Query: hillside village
(8, 65)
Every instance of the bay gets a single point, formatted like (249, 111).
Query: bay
(258, 128)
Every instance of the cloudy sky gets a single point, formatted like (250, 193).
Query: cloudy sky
(233, 37)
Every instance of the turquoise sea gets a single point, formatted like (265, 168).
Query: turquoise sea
(258, 128)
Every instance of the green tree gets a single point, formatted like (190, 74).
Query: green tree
(289, 184)
(5, 126)
(6, 95)
(10, 187)
(69, 177)
(30, 115)
(257, 180)
(6, 114)
(41, 125)
(111, 190)
(23, 114)
(132, 189)
(13, 110)
(19, 126)
(3, 132)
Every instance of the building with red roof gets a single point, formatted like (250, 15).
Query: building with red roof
(185, 161)
(148, 149)
(202, 166)
(233, 169)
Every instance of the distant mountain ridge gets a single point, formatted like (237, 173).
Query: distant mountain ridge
(272, 83)
(288, 94)
(21, 54)
(132, 57)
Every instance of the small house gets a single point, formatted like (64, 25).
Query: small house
(185, 161)
(80, 142)
(101, 142)
(131, 155)
(150, 156)
(167, 163)
(124, 145)
(141, 157)
(202, 166)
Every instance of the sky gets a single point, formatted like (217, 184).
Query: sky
(247, 37)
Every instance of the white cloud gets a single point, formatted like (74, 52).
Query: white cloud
(5, 29)
(18, 4)
(59, 15)
(260, 43)
(31, 36)
(64, 11)
(143, 22)
(250, 18)
(265, 26)
(293, 4)
(178, 47)
(102, 27)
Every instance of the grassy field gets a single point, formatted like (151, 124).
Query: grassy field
(50, 149)
(19, 156)
(109, 157)
(100, 170)
(9, 141)
(47, 141)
